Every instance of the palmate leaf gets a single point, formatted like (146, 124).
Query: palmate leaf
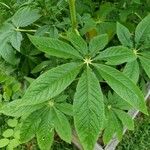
(124, 35)
(51, 83)
(116, 55)
(25, 16)
(42, 123)
(78, 42)
(55, 47)
(132, 71)
(98, 43)
(88, 109)
(142, 30)
(123, 86)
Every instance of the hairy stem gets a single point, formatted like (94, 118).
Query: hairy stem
(73, 15)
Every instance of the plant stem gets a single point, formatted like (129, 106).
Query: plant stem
(73, 15)
(23, 30)
(33, 31)
(4, 5)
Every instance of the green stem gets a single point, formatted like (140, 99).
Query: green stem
(33, 31)
(4, 5)
(23, 30)
(73, 15)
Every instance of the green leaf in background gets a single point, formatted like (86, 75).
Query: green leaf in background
(6, 51)
(41, 66)
(116, 55)
(107, 27)
(55, 47)
(51, 83)
(4, 142)
(25, 16)
(8, 133)
(123, 86)
(78, 42)
(98, 43)
(125, 118)
(132, 71)
(88, 109)
(105, 9)
(145, 61)
(16, 39)
(124, 35)
(13, 144)
(7, 38)
(115, 101)
(12, 122)
(62, 125)
(142, 30)
(136, 1)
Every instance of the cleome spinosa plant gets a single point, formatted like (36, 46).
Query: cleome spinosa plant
(44, 110)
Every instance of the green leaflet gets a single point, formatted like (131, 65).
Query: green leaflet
(132, 71)
(124, 35)
(113, 127)
(14, 109)
(9, 37)
(6, 51)
(41, 66)
(88, 109)
(109, 128)
(114, 124)
(142, 30)
(78, 42)
(145, 61)
(62, 125)
(16, 39)
(30, 126)
(25, 16)
(123, 86)
(115, 101)
(98, 43)
(45, 132)
(116, 55)
(55, 47)
(51, 83)
(66, 108)
(125, 118)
